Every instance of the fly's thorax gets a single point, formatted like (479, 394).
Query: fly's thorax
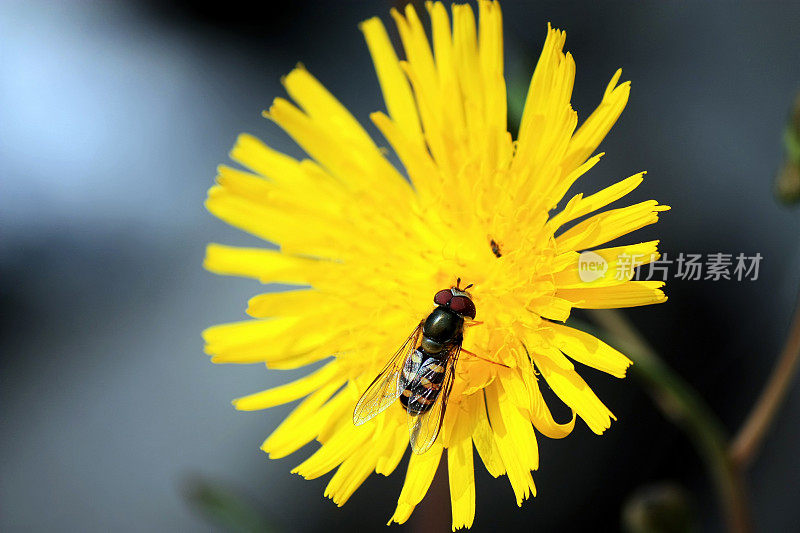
(442, 327)
(431, 346)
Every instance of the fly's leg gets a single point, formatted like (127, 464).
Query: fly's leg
(476, 356)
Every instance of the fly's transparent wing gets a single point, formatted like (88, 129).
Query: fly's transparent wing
(424, 427)
(387, 386)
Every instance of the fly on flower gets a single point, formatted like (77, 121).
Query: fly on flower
(421, 372)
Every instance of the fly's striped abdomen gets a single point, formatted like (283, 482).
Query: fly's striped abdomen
(422, 381)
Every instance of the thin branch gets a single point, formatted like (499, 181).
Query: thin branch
(748, 440)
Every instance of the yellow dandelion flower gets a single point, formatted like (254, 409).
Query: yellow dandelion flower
(367, 245)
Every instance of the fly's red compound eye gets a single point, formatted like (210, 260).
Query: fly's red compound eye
(463, 306)
(442, 297)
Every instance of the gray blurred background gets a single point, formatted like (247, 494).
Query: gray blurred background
(113, 117)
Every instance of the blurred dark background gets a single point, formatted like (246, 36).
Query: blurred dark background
(113, 117)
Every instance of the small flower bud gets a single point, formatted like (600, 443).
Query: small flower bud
(787, 182)
(660, 508)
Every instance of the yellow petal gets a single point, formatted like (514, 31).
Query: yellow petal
(305, 421)
(541, 416)
(290, 391)
(580, 206)
(324, 108)
(267, 266)
(281, 343)
(629, 294)
(285, 197)
(515, 387)
(609, 225)
(516, 446)
(354, 470)
(421, 469)
(261, 159)
(417, 160)
(291, 303)
(389, 461)
(275, 225)
(573, 391)
(596, 127)
(620, 266)
(548, 121)
(490, 39)
(462, 483)
(415, 43)
(589, 350)
(552, 307)
(396, 89)
(483, 437)
(347, 441)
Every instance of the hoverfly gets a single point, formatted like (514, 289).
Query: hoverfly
(421, 372)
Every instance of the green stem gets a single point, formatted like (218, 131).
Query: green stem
(679, 402)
